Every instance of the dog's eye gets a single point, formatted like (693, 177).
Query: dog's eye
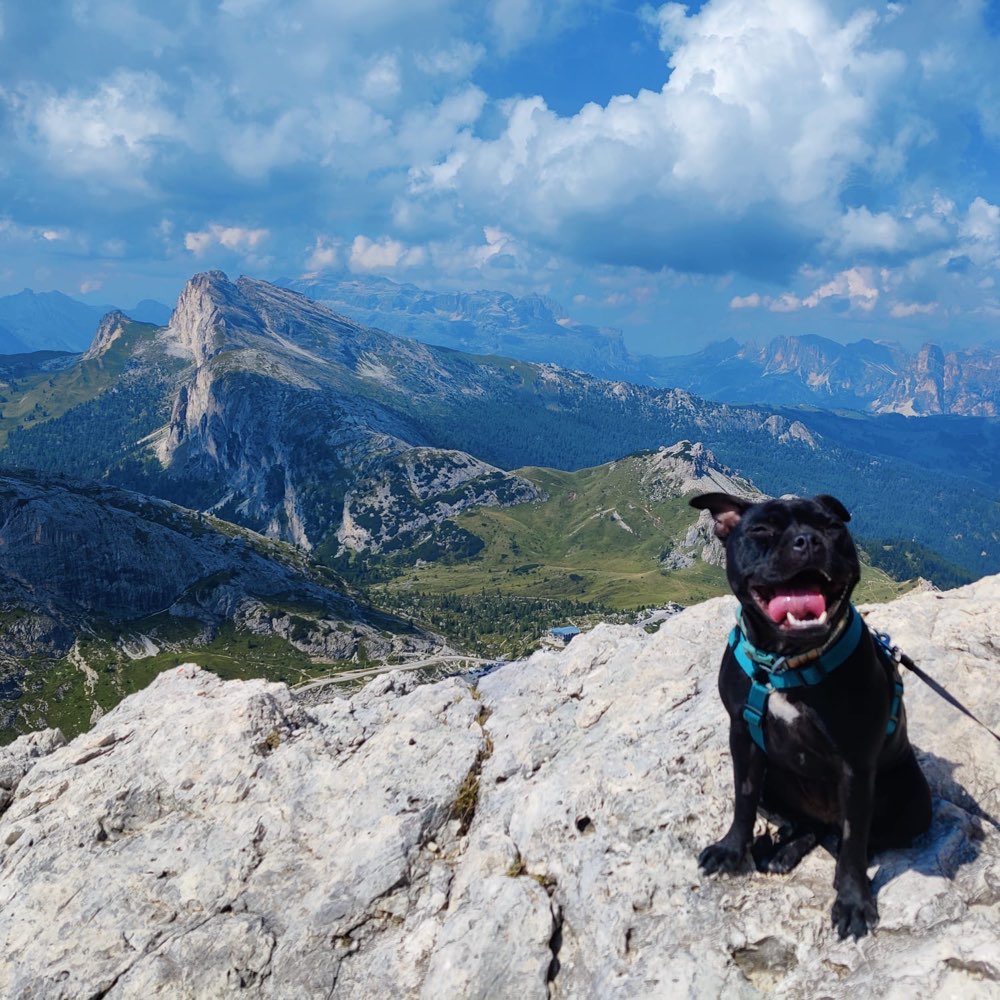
(761, 531)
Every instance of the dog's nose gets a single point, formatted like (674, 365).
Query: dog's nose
(803, 542)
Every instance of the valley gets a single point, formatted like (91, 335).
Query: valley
(102, 588)
(621, 535)
(271, 489)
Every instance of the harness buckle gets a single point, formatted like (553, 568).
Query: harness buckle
(885, 641)
(780, 665)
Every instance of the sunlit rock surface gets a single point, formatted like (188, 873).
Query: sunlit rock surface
(532, 837)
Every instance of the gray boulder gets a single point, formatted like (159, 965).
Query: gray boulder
(534, 837)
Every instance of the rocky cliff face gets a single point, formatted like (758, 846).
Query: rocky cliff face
(686, 467)
(78, 560)
(271, 414)
(683, 469)
(81, 551)
(401, 499)
(534, 837)
(110, 329)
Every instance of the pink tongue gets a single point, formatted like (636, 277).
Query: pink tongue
(803, 604)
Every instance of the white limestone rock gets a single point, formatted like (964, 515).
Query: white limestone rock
(206, 834)
(21, 756)
(208, 837)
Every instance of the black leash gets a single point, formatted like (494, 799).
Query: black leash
(938, 689)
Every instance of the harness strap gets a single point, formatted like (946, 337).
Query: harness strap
(804, 669)
(888, 652)
(755, 710)
(769, 672)
(900, 657)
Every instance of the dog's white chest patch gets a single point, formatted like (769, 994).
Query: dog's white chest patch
(781, 708)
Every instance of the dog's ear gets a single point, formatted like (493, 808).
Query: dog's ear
(726, 510)
(834, 506)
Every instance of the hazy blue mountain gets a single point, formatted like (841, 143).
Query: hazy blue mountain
(532, 328)
(10, 343)
(46, 321)
(866, 375)
(150, 311)
(52, 321)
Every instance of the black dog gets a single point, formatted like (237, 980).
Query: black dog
(817, 729)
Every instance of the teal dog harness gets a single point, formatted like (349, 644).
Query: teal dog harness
(769, 672)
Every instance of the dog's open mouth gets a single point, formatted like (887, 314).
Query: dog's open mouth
(808, 600)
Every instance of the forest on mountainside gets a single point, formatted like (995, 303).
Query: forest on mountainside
(97, 439)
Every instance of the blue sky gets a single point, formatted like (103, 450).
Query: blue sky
(744, 168)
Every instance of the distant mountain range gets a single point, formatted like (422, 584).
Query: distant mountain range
(532, 328)
(51, 321)
(804, 370)
(870, 376)
(268, 409)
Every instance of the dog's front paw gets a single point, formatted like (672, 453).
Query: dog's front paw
(854, 914)
(779, 858)
(722, 858)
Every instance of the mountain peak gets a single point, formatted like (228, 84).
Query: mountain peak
(111, 327)
(687, 467)
(47, 321)
(214, 314)
(210, 309)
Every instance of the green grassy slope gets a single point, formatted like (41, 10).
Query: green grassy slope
(64, 692)
(40, 396)
(601, 536)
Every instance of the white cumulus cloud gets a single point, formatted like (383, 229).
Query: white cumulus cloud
(768, 108)
(382, 81)
(324, 255)
(982, 222)
(458, 59)
(859, 286)
(112, 131)
(903, 310)
(383, 254)
(235, 238)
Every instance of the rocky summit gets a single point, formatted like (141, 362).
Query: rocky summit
(534, 836)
